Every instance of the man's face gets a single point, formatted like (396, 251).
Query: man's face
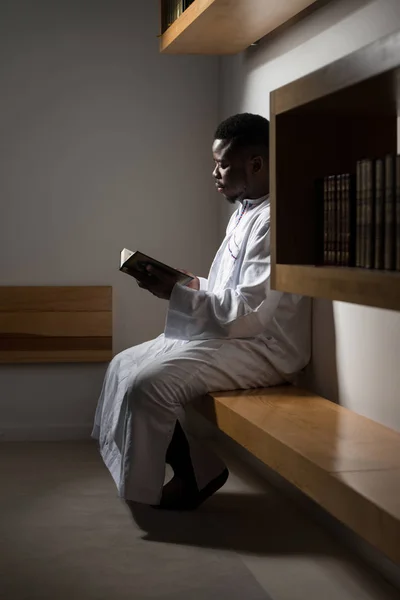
(230, 172)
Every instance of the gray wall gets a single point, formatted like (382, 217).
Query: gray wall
(356, 349)
(104, 144)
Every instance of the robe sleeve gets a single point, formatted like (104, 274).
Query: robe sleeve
(240, 312)
(203, 283)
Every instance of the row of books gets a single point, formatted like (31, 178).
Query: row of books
(361, 216)
(338, 192)
(172, 10)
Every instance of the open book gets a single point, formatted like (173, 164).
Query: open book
(132, 262)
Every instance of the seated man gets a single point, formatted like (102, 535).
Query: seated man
(227, 332)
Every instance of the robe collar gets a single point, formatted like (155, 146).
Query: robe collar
(255, 200)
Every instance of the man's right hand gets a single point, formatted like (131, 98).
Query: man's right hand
(194, 284)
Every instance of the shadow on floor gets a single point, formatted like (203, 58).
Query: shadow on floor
(246, 523)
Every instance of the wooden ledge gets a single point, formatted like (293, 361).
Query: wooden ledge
(48, 324)
(227, 26)
(346, 463)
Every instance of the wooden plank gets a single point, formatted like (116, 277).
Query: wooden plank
(56, 324)
(338, 458)
(344, 74)
(227, 26)
(359, 286)
(51, 298)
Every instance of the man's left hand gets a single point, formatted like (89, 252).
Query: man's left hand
(158, 282)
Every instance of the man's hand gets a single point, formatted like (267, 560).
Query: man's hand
(160, 284)
(194, 284)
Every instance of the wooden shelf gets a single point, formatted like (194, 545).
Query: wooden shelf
(321, 125)
(359, 286)
(227, 26)
(55, 324)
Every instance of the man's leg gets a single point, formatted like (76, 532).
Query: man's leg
(108, 426)
(182, 492)
(155, 401)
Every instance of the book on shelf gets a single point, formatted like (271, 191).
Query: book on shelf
(325, 220)
(379, 212)
(389, 230)
(397, 220)
(336, 221)
(339, 230)
(172, 10)
(369, 214)
(358, 218)
(332, 219)
(359, 213)
(349, 219)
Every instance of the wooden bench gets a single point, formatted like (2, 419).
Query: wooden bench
(55, 324)
(347, 463)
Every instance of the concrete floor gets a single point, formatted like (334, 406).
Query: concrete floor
(65, 534)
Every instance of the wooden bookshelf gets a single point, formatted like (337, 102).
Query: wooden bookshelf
(226, 26)
(360, 286)
(320, 125)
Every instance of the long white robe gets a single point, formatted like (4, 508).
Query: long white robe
(233, 333)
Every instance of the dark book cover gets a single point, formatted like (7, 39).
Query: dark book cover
(346, 219)
(397, 202)
(369, 213)
(359, 214)
(363, 202)
(351, 219)
(389, 245)
(379, 213)
(329, 224)
(331, 220)
(173, 9)
(325, 192)
(169, 12)
(334, 220)
(339, 230)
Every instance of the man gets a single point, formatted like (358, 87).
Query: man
(228, 332)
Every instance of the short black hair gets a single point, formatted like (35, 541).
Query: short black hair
(245, 130)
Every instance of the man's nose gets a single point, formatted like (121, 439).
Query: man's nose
(216, 173)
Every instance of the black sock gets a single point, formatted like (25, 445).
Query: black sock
(178, 456)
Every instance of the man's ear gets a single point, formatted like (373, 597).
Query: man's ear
(257, 163)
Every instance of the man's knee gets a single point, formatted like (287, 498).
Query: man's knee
(142, 383)
(153, 385)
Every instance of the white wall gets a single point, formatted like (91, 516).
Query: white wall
(104, 143)
(356, 349)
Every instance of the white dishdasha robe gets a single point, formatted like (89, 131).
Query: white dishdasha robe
(233, 333)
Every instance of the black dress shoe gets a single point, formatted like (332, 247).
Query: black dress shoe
(177, 496)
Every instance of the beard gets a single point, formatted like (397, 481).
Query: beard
(237, 197)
